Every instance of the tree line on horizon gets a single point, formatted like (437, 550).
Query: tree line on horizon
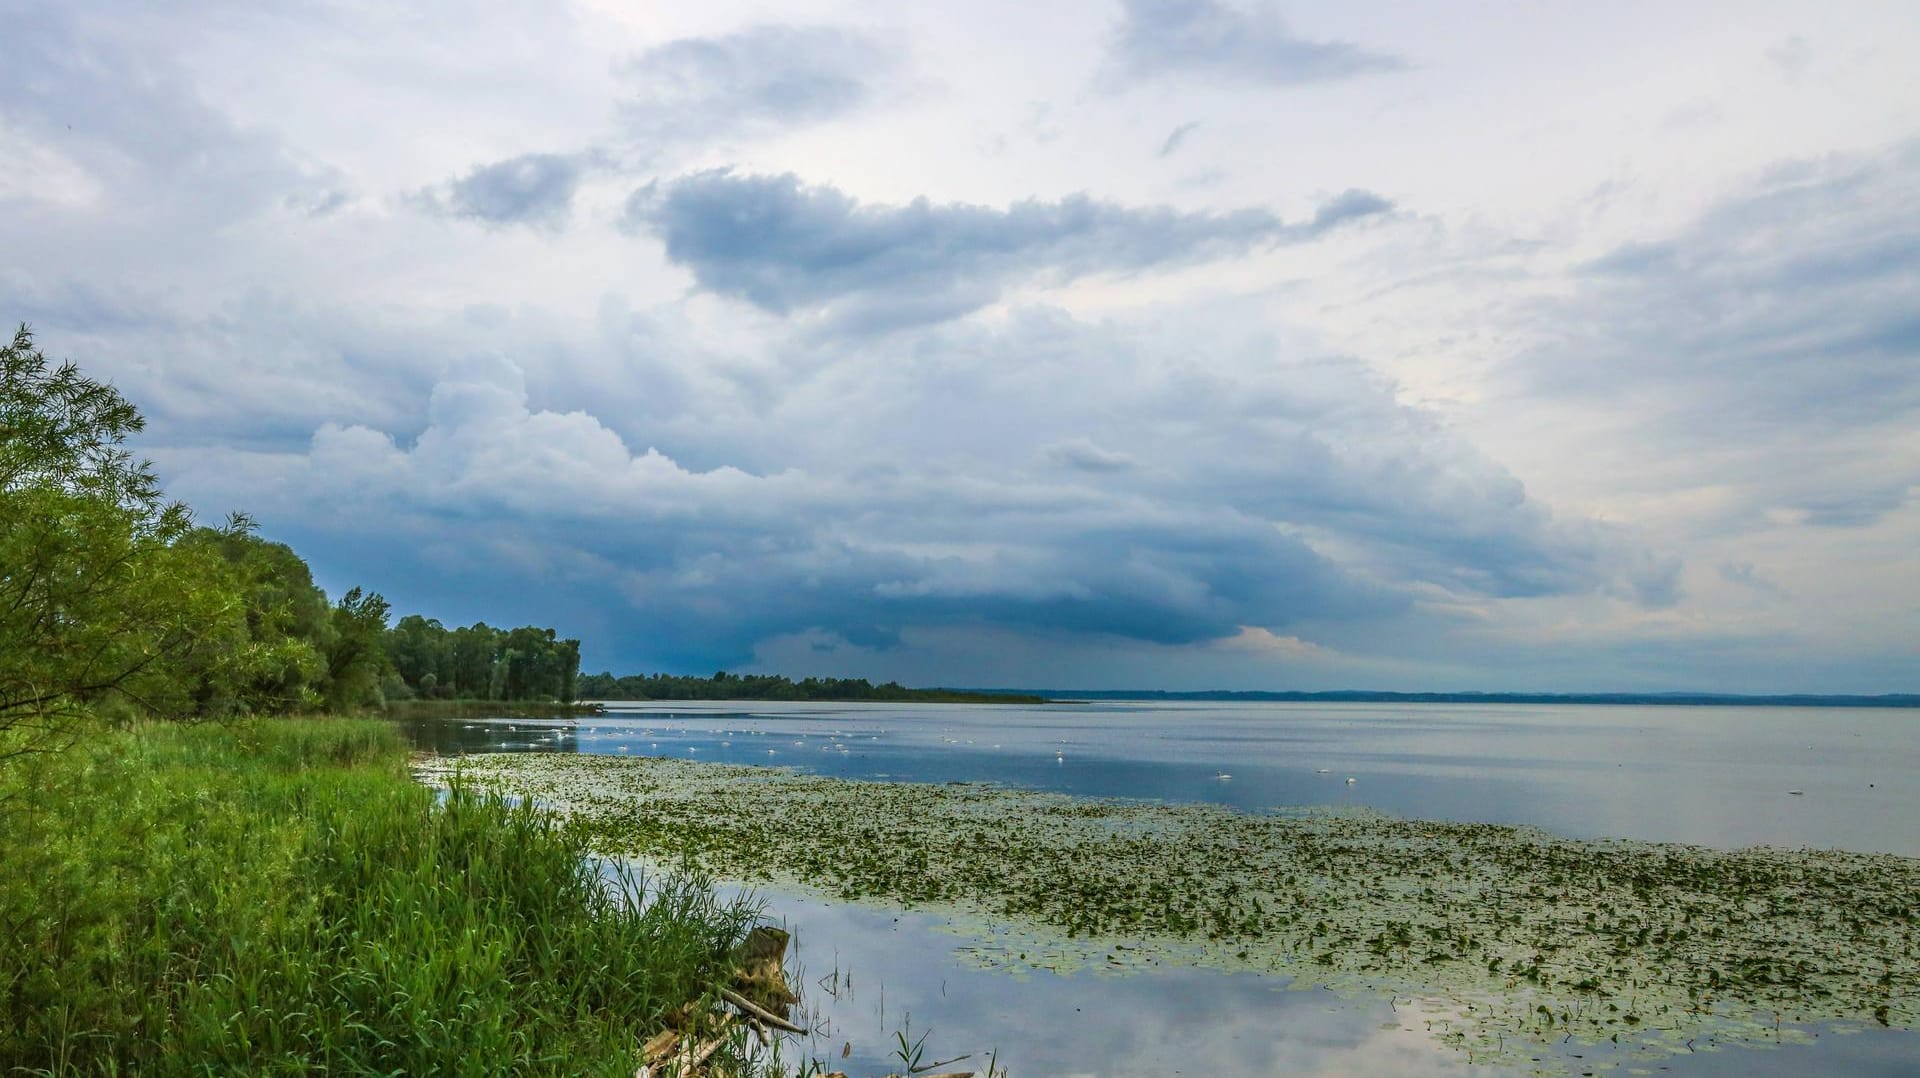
(726, 686)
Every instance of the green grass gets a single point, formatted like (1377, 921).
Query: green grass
(280, 897)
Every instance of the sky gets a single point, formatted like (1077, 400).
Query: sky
(1112, 344)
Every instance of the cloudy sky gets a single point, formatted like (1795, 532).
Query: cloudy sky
(1118, 343)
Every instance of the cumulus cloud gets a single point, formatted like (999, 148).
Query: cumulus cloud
(1297, 493)
(786, 247)
(1211, 39)
(532, 189)
(754, 81)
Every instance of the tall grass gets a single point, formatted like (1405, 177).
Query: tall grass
(281, 898)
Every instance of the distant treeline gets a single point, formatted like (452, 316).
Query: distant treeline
(725, 686)
(1360, 696)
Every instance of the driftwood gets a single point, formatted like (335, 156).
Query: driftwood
(689, 1042)
(754, 1010)
(693, 1059)
(760, 993)
(661, 1046)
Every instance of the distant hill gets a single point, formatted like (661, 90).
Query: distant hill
(1354, 696)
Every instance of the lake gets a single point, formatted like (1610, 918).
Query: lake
(1726, 777)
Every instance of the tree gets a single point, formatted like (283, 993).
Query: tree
(96, 599)
(474, 649)
(278, 663)
(356, 655)
(421, 651)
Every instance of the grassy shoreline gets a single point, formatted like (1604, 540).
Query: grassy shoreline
(281, 897)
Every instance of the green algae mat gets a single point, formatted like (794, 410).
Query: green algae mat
(1511, 942)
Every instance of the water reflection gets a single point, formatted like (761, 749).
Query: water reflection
(867, 974)
(1712, 776)
(459, 737)
(1716, 776)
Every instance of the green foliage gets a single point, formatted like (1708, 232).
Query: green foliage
(480, 662)
(278, 663)
(96, 599)
(60, 430)
(281, 897)
(111, 602)
(356, 654)
(421, 651)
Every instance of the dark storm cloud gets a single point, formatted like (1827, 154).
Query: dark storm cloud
(785, 246)
(532, 189)
(1157, 38)
(1154, 504)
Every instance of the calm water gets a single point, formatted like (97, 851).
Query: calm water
(1714, 776)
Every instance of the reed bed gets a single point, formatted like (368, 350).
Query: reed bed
(280, 898)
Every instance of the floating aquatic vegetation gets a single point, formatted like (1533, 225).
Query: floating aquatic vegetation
(1516, 937)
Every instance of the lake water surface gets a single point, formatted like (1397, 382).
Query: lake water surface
(1728, 777)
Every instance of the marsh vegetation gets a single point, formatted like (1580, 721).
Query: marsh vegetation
(280, 897)
(1520, 937)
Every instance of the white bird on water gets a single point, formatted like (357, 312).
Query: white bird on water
(1351, 781)
(1222, 776)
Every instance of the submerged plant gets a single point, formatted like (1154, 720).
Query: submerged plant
(1508, 934)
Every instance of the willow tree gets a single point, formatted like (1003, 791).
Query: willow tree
(97, 598)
